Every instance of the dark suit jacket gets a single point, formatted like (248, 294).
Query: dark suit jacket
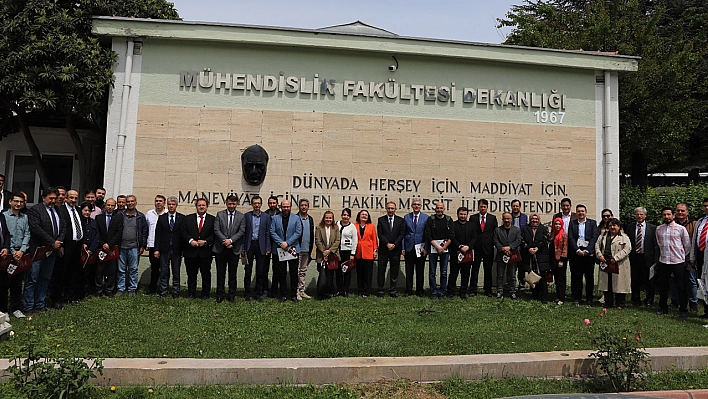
(540, 241)
(69, 242)
(573, 216)
(591, 234)
(264, 241)
(388, 236)
(502, 239)
(114, 234)
(651, 246)
(41, 230)
(6, 200)
(90, 237)
(190, 230)
(463, 234)
(221, 227)
(163, 235)
(5, 233)
(417, 235)
(485, 239)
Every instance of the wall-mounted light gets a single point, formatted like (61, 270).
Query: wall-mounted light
(393, 67)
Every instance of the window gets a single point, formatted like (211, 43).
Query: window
(23, 175)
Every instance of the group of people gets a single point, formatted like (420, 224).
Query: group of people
(629, 260)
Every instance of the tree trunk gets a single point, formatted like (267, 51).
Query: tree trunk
(34, 150)
(639, 169)
(80, 153)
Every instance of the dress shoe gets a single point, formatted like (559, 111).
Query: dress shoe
(219, 300)
(588, 303)
(683, 315)
(380, 294)
(393, 295)
(662, 312)
(175, 295)
(246, 298)
(500, 295)
(576, 303)
(295, 300)
(283, 299)
(191, 297)
(205, 297)
(119, 293)
(463, 296)
(513, 296)
(58, 306)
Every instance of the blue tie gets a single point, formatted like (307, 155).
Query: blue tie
(172, 222)
(108, 220)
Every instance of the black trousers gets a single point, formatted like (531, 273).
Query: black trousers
(198, 265)
(414, 266)
(640, 279)
(540, 291)
(170, 261)
(582, 267)
(665, 272)
(154, 271)
(64, 277)
(272, 260)
(280, 272)
(106, 272)
(560, 278)
(453, 274)
(14, 285)
(364, 275)
(226, 260)
(487, 262)
(343, 279)
(393, 258)
(612, 298)
(254, 253)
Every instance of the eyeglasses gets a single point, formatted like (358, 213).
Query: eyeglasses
(606, 216)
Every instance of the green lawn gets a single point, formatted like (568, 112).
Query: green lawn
(148, 326)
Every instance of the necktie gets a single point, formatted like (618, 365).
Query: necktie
(172, 222)
(55, 223)
(77, 225)
(390, 222)
(201, 222)
(231, 219)
(702, 239)
(482, 224)
(640, 239)
(108, 220)
(415, 222)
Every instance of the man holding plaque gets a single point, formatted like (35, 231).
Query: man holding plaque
(438, 236)
(464, 238)
(110, 234)
(17, 226)
(285, 231)
(507, 240)
(391, 230)
(47, 230)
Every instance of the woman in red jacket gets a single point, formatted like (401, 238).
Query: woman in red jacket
(366, 252)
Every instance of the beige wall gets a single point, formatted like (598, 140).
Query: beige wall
(189, 149)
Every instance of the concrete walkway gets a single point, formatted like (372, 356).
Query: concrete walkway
(373, 369)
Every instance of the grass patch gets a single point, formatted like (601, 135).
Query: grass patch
(149, 326)
(452, 389)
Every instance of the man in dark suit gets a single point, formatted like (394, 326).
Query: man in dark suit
(285, 231)
(391, 230)
(464, 238)
(198, 239)
(5, 196)
(65, 277)
(47, 229)
(110, 233)
(415, 235)
(582, 235)
(566, 214)
(168, 248)
(257, 245)
(485, 223)
(229, 229)
(507, 239)
(645, 254)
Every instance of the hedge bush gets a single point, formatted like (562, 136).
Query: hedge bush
(655, 198)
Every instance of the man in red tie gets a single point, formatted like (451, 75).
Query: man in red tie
(198, 238)
(698, 250)
(484, 249)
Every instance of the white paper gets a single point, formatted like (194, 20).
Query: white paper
(652, 272)
(440, 243)
(419, 250)
(582, 243)
(290, 254)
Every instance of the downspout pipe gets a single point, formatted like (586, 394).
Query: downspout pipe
(607, 142)
(120, 144)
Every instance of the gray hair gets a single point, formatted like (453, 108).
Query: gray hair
(172, 198)
(640, 209)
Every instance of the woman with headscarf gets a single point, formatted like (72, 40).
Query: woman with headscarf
(534, 238)
(558, 256)
(614, 246)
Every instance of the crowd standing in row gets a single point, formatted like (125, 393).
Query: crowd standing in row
(629, 261)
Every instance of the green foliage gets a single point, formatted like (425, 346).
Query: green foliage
(621, 358)
(661, 105)
(41, 373)
(653, 199)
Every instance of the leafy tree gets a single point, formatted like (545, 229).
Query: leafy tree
(660, 105)
(51, 62)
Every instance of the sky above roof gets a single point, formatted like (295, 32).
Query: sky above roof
(470, 21)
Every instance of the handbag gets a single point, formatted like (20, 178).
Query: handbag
(610, 267)
(532, 277)
(87, 259)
